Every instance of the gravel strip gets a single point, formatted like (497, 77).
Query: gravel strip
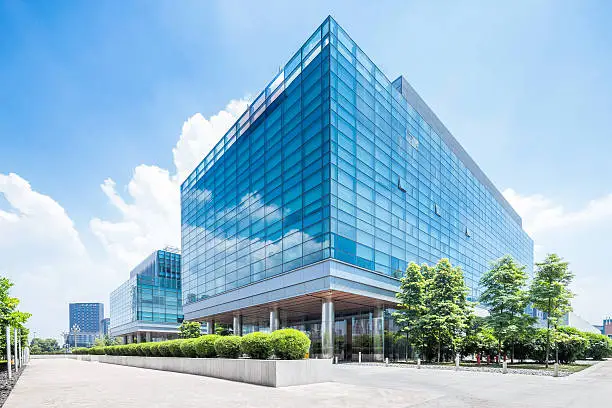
(482, 369)
(6, 386)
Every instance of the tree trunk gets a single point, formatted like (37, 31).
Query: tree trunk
(499, 351)
(439, 347)
(548, 333)
(512, 355)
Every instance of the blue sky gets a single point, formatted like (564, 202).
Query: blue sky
(91, 91)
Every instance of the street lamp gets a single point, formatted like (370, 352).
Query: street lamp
(75, 330)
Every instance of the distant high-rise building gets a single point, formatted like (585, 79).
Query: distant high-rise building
(147, 307)
(84, 321)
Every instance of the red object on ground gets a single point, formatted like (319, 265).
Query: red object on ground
(478, 358)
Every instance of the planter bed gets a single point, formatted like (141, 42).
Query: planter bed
(271, 373)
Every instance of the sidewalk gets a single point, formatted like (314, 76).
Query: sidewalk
(72, 383)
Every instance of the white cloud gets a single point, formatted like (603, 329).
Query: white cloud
(42, 253)
(150, 220)
(150, 216)
(199, 135)
(581, 236)
(541, 214)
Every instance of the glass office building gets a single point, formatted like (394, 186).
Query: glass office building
(147, 307)
(84, 322)
(105, 326)
(311, 206)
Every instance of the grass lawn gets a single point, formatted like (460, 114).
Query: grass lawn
(572, 368)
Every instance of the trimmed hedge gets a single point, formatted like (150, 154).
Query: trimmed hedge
(155, 350)
(256, 345)
(96, 351)
(228, 346)
(175, 347)
(205, 346)
(188, 348)
(289, 344)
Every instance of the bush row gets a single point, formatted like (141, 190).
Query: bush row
(285, 344)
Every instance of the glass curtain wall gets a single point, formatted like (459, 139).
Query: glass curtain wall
(399, 194)
(258, 205)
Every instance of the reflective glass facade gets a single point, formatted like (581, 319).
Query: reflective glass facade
(152, 294)
(334, 161)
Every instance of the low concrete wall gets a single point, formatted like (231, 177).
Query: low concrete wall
(271, 373)
(49, 356)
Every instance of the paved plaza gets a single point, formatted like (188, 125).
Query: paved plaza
(72, 383)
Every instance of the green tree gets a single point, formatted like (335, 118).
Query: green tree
(411, 306)
(550, 293)
(10, 315)
(190, 330)
(39, 345)
(448, 310)
(505, 296)
(104, 341)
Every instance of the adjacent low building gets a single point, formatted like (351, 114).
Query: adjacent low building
(84, 322)
(308, 210)
(147, 307)
(607, 327)
(576, 321)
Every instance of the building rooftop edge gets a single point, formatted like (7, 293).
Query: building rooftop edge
(413, 98)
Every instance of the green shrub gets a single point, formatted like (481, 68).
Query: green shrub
(164, 349)
(145, 349)
(599, 346)
(571, 343)
(107, 349)
(228, 346)
(131, 349)
(188, 348)
(154, 349)
(289, 344)
(79, 350)
(138, 350)
(205, 346)
(96, 351)
(175, 348)
(256, 345)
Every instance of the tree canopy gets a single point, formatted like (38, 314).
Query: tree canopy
(506, 297)
(550, 292)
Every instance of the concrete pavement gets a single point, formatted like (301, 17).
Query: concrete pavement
(71, 383)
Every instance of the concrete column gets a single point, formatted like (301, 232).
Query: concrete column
(148, 337)
(138, 337)
(327, 328)
(378, 333)
(237, 325)
(274, 320)
(130, 339)
(211, 326)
